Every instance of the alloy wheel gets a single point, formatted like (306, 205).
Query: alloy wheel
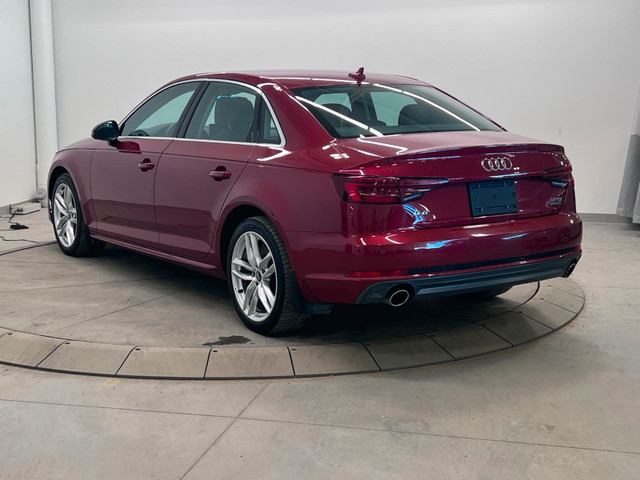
(253, 276)
(65, 216)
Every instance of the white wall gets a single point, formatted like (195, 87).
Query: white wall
(17, 160)
(558, 70)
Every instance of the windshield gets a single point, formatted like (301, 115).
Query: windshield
(374, 110)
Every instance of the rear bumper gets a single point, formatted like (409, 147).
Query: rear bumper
(441, 285)
(324, 262)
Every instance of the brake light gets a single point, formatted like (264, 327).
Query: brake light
(559, 177)
(383, 190)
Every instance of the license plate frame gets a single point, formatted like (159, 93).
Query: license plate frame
(493, 197)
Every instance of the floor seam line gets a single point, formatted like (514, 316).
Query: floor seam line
(542, 323)
(85, 284)
(50, 353)
(293, 367)
(560, 306)
(223, 432)
(206, 365)
(538, 322)
(371, 355)
(437, 343)
(496, 334)
(122, 409)
(123, 309)
(439, 435)
(566, 291)
(124, 361)
(208, 449)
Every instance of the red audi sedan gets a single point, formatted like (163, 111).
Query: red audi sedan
(307, 189)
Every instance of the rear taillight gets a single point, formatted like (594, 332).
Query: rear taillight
(559, 176)
(372, 189)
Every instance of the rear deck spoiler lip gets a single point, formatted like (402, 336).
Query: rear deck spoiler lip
(499, 148)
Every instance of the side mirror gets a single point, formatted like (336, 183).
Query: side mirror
(108, 131)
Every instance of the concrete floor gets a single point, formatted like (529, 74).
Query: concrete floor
(40, 230)
(565, 406)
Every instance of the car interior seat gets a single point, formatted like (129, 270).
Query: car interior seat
(233, 119)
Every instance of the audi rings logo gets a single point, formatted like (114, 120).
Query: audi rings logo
(499, 164)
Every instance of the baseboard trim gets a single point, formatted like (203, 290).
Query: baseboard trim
(603, 218)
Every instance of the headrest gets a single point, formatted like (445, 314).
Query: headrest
(230, 111)
(339, 108)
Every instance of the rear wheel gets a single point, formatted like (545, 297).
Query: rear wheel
(69, 227)
(260, 278)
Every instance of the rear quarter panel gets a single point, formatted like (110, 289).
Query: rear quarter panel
(295, 199)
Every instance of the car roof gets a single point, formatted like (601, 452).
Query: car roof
(303, 78)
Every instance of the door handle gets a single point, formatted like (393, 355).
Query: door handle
(220, 173)
(146, 164)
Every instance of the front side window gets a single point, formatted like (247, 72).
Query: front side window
(226, 112)
(375, 110)
(160, 115)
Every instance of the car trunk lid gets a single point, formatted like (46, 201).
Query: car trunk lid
(483, 176)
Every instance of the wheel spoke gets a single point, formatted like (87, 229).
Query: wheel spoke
(68, 233)
(62, 222)
(256, 249)
(269, 271)
(241, 275)
(265, 299)
(254, 302)
(59, 201)
(250, 292)
(67, 195)
(270, 296)
(265, 260)
(238, 262)
(249, 249)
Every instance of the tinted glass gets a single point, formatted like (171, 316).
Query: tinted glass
(268, 131)
(351, 111)
(226, 112)
(159, 116)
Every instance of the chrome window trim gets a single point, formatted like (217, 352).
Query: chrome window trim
(283, 140)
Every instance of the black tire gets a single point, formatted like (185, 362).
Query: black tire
(284, 317)
(83, 245)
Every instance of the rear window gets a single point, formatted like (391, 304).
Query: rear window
(375, 110)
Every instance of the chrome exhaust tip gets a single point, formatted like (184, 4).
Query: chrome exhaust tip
(397, 296)
(570, 269)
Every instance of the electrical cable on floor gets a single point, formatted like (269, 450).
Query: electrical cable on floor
(12, 227)
(17, 240)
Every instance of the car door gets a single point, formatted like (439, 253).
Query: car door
(198, 170)
(123, 173)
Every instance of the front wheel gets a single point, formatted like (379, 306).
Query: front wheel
(260, 278)
(69, 227)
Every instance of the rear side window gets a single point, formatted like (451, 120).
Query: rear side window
(160, 115)
(226, 112)
(268, 130)
(377, 110)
